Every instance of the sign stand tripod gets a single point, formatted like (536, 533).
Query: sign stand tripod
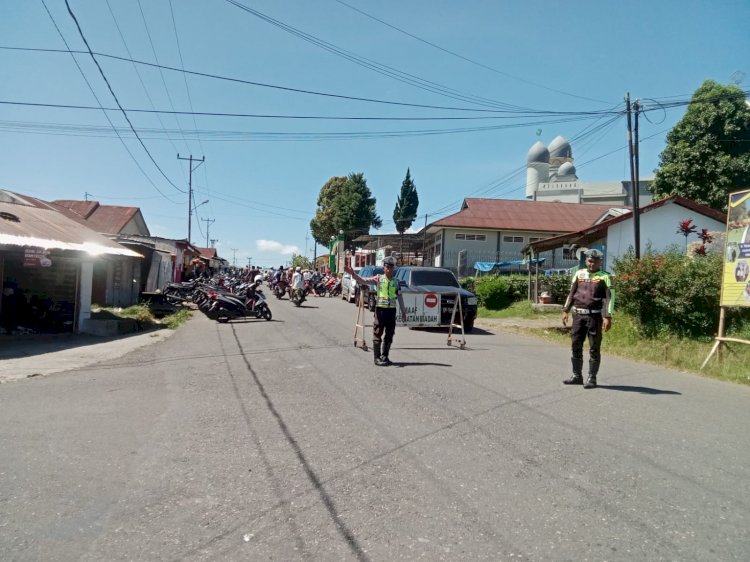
(360, 325)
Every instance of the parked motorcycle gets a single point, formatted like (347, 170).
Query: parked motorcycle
(249, 301)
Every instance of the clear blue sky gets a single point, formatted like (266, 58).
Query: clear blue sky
(262, 175)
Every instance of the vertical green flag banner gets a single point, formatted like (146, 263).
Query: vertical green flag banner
(735, 284)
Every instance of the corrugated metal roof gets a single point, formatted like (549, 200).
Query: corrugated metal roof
(536, 216)
(41, 225)
(208, 253)
(110, 219)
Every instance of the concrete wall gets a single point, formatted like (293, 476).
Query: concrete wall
(658, 228)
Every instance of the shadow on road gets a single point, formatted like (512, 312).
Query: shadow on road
(641, 389)
(27, 345)
(418, 364)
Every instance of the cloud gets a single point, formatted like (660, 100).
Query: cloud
(276, 247)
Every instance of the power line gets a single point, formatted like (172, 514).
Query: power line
(106, 116)
(182, 67)
(377, 67)
(264, 136)
(161, 74)
(111, 91)
(564, 116)
(282, 88)
(135, 67)
(462, 57)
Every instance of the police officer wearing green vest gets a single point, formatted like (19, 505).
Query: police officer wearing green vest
(384, 324)
(592, 301)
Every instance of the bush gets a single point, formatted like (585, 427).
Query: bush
(499, 291)
(557, 285)
(670, 292)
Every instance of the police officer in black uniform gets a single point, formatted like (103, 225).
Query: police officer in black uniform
(591, 298)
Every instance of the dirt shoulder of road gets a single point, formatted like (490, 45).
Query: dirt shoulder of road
(516, 324)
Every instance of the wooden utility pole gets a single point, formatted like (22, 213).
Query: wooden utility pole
(234, 257)
(633, 185)
(637, 186)
(190, 191)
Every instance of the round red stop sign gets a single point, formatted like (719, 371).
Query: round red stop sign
(431, 300)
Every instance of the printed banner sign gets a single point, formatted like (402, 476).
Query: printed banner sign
(422, 309)
(36, 257)
(735, 283)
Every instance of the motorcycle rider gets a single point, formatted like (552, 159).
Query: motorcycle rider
(298, 282)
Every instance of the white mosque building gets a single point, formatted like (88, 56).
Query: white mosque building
(551, 176)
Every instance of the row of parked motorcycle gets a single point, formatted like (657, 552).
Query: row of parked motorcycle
(222, 299)
(226, 298)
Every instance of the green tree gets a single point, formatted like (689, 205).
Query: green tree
(301, 261)
(707, 154)
(406, 207)
(344, 204)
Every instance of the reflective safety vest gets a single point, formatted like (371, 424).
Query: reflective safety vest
(386, 292)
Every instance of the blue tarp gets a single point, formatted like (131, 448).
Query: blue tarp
(490, 265)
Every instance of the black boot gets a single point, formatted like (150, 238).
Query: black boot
(376, 354)
(386, 348)
(576, 377)
(593, 370)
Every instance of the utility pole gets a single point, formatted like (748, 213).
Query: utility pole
(637, 186)
(208, 222)
(249, 262)
(190, 191)
(86, 195)
(633, 185)
(234, 257)
(424, 237)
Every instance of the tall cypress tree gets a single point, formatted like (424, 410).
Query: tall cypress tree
(406, 207)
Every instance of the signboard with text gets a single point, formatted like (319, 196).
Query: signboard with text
(422, 309)
(735, 283)
(36, 257)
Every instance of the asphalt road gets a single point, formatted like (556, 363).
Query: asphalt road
(280, 440)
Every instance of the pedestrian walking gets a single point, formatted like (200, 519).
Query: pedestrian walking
(384, 324)
(591, 299)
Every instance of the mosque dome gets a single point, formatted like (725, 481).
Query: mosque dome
(566, 169)
(538, 153)
(560, 148)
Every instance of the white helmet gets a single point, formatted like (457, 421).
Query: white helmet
(298, 268)
(258, 278)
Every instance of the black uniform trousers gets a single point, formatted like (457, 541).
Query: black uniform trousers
(384, 326)
(586, 326)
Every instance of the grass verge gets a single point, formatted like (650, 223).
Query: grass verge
(519, 309)
(624, 340)
(143, 315)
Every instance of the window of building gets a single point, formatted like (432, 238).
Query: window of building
(513, 239)
(475, 237)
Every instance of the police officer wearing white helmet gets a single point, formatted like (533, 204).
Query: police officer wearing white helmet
(384, 324)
